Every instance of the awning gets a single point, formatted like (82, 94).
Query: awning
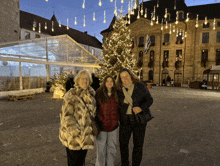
(56, 50)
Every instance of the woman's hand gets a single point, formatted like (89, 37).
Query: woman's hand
(137, 110)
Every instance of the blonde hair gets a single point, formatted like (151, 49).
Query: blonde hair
(81, 72)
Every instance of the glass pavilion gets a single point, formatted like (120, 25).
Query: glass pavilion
(29, 64)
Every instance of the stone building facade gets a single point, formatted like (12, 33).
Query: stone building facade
(182, 56)
(9, 22)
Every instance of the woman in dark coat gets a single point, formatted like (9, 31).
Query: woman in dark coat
(134, 103)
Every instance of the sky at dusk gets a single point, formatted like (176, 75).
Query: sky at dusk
(70, 9)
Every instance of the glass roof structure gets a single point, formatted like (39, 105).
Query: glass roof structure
(55, 50)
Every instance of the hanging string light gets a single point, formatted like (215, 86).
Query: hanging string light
(84, 20)
(180, 32)
(145, 15)
(104, 17)
(45, 27)
(166, 25)
(67, 27)
(151, 23)
(115, 12)
(157, 20)
(197, 20)
(185, 34)
(34, 25)
(157, 3)
(154, 16)
(122, 1)
(59, 23)
(129, 19)
(75, 21)
(142, 10)
(177, 17)
(177, 32)
(165, 16)
(93, 16)
(135, 5)
(100, 3)
(39, 28)
(129, 8)
(206, 20)
(214, 24)
(187, 17)
(170, 28)
(138, 16)
(173, 28)
(52, 26)
(162, 25)
(174, 4)
(83, 6)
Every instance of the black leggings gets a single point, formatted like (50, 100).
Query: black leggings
(76, 157)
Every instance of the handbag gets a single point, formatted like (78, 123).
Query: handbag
(95, 127)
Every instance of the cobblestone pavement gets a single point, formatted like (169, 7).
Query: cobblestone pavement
(184, 132)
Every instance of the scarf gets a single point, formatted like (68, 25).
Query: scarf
(128, 94)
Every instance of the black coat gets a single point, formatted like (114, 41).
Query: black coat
(141, 98)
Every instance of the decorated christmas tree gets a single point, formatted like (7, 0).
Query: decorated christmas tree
(117, 51)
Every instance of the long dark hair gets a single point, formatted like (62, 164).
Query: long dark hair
(134, 78)
(102, 92)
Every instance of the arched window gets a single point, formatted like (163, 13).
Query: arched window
(181, 16)
(140, 59)
(151, 75)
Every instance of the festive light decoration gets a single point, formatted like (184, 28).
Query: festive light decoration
(117, 50)
(67, 27)
(111, 0)
(185, 34)
(52, 26)
(39, 30)
(145, 15)
(129, 19)
(187, 17)
(177, 32)
(122, 1)
(157, 3)
(115, 12)
(93, 16)
(83, 6)
(59, 23)
(100, 3)
(154, 15)
(177, 17)
(165, 16)
(46, 0)
(34, 25)
(197, 20)
(129, 8)
(104, 17)
(151, 22)
(45, 27)
(166, 25)
(157, 20)
(205, 20)
(75, 21)
(142, 10)
(138, 16)
(174, 4)
(214, 24)
(173, 28)
(84, 20)
(161, 24)
(135, 5)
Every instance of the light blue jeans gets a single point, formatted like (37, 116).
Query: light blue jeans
(106, 143)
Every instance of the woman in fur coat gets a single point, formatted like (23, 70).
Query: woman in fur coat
(75, 126)
(107, 112)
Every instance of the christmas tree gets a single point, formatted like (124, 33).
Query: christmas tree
(117, 50)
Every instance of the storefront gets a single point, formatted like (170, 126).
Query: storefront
(212, 77)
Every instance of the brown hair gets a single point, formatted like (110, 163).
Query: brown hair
(102, 92)
(134, 78)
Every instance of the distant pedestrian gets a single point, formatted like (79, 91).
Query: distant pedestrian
(168, 79)
(96, 83)
(172, 83)
(107, 112)
(75, 124)
(134, 102)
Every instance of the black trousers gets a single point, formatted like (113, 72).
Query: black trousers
(125, 132)
(76, 157)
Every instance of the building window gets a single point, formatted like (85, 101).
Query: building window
(140, 61)
(180, 37)
(93, 52)
(218, 57)
(37, 36)
(205, 38)
(218, 24)
(141, 41)
(178, 55)
(205, 25)
(204, 58)
(181, 16)
(166, 55)
(151, 61)
(167, 37)
(27, 35)
(152, 39)
(218, 37)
